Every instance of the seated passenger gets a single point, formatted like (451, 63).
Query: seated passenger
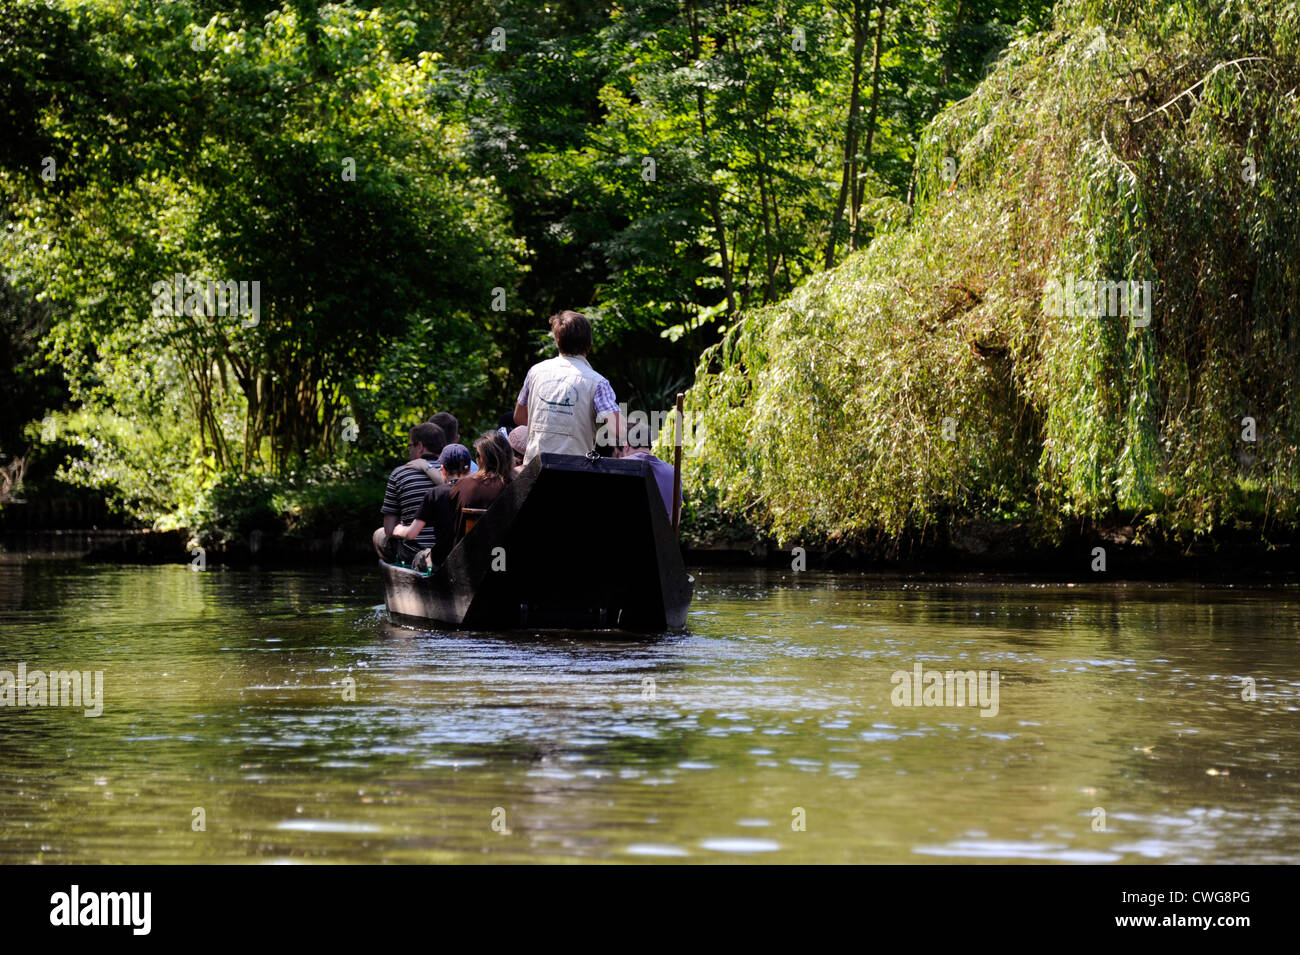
(451, 428)
(638, 446)
(518, 439)
(433, 525)
(407, 486)
(495, 472)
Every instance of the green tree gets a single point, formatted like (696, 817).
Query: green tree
(299, 152)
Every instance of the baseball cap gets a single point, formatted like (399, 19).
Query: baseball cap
(455, 457)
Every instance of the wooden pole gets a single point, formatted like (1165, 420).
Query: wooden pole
(677, 464)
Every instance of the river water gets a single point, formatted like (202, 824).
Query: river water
(278, 717)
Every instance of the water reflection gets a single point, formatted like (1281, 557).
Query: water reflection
(306, 727)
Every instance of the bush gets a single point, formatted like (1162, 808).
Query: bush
(925, 378)
(298, 506)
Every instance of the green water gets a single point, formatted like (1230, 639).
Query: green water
(225, 691)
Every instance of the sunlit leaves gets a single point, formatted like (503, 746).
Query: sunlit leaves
(1060, 171)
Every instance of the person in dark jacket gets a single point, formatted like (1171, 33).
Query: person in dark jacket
(437, 514)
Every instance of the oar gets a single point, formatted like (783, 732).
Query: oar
(677, 464)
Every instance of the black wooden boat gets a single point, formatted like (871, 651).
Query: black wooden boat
(573, 542)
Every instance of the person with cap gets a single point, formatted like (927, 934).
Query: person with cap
(456, 463)
(564, 400)
(432, 529)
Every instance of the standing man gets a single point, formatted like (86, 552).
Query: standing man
(564, 400)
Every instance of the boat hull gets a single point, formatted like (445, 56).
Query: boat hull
(572, 543)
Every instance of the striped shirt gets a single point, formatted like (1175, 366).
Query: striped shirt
(403, 497)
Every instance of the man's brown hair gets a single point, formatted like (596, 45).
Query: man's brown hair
(572, 332)
(431, 436)
(449, 425)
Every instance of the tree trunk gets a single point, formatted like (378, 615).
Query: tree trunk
(859, 185)
(850, 131)
(769, 290)
(715, 203)
(945, 77)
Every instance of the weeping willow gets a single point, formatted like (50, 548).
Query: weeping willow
(1135, 146)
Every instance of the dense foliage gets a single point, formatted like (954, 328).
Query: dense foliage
(936, 373)
(415, 186)
(298, 156)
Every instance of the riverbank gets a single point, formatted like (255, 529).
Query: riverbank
(1092, 552)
